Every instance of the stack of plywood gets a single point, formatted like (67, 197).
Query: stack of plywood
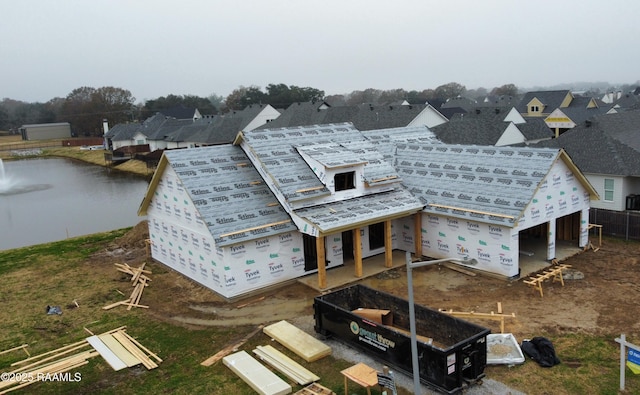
(298, 341)
(286, 365)
(139, 280)
(252, 372)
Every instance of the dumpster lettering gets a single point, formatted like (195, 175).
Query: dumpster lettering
(372, 338)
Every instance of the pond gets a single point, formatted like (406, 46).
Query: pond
(45, 200)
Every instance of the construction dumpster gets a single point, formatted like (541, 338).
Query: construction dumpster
(452, 353)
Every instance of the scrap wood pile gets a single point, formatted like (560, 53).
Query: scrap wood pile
(72, 356)
(139, 280)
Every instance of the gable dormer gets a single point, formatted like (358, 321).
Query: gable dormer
(592, 103)
(566, 102)
(535, 108)
(338, 168)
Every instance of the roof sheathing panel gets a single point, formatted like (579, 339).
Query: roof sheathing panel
(274, 148)
(491, 183)
(229, 194)
(367, 209)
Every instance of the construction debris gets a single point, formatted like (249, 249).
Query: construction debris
(139, 280)
(69, 357)
(22, 347)
(499, 316)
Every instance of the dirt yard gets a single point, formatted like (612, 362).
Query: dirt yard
(597, 298)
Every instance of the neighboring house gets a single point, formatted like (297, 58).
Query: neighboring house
(363, 117)
(282, 203)
(162, 132)
(46, 131)
(561, 109)
(483, 126)
(607, 151)
(181, 112)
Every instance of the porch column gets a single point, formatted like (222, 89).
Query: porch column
(584, 228)
(357, 251)
(417, 233)
(388, 245)
(551, 239)
(322, 264)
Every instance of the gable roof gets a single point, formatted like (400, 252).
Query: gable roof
(550, 99)
(254, 212)
(363, 117)
(180, 111)
(483, 127)
(278, 155)
(494, 184)
(608, 144)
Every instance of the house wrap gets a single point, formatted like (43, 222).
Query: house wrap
(283, 203)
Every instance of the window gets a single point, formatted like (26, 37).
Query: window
(376, 236)
(345, 181)
(608, 190)
(535, 109)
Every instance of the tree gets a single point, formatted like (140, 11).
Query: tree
(505, 90)
(277, 95)
(85, 108)
(151, 107)
(450, 90)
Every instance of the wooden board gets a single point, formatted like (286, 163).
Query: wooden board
(119, 350)
(252, 372)
(298, 341)
(106, 353)
(286, 365)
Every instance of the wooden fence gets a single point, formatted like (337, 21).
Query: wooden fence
(619, 224)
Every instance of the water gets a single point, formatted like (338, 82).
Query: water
(44, 200)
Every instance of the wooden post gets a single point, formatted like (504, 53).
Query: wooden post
(357, 251)
(388, 245)
(417, 221)
(322, 263)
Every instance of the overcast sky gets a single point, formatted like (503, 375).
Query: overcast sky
(155, 48)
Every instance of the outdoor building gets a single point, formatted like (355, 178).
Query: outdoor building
(46, 131)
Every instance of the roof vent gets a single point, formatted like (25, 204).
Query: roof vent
(477, 111)
(497, 111)
(587, 123)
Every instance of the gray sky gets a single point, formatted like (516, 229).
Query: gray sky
(155, 48)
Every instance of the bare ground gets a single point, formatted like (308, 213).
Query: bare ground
(597, 297)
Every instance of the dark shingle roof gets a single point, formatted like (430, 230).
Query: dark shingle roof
(608, 144)
(550, 99)
(482, 127)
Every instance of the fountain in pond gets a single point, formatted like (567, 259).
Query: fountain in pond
(11, 186)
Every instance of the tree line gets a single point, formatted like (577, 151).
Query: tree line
(86, 107)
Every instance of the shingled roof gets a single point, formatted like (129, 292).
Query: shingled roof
(608, 144)
(483, 126)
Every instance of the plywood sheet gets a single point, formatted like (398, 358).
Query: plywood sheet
(298, 341)
(252, 372)
(106, 353)
(119, 350)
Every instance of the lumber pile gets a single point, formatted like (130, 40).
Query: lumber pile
(139, 280)
(298, 341)
(72, 356)
(285, 365)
